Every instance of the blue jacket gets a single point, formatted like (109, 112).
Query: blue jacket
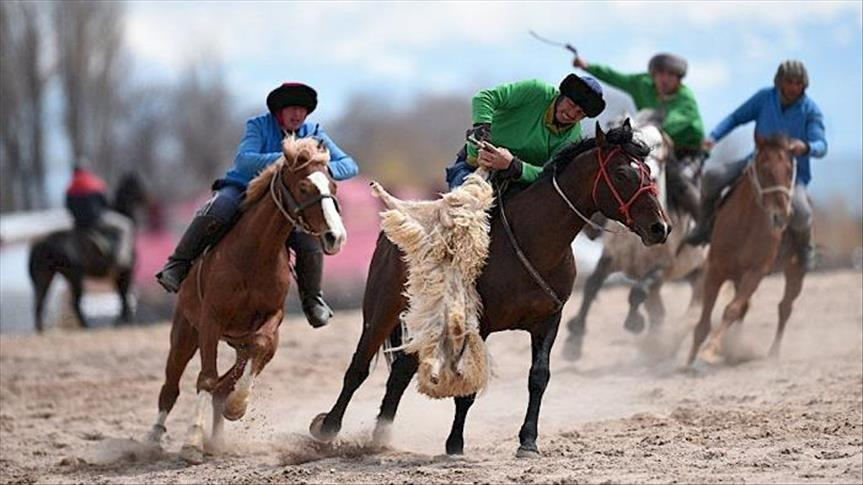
(262, 145)
(802, 120)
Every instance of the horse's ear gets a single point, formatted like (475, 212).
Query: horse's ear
(759, 141)
(627, 127)
(600, 136)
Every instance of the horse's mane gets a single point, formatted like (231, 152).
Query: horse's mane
(620, 136)
(291, 148)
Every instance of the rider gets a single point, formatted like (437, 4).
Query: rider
(288, 105)
(88, 204)
(527, 122)
(661, 89)
(784, 109)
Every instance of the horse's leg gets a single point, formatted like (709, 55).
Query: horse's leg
(637, 295)
(795, 270)
(382, 303)
(403, 369)
(41, 277)
(576, 326)
(264, 346)
(455, 440)
(541, 340)
(734, 312)
(76, 284)
(124, 282)
(208, 378)
(184, 343)
(712, 284)
(655, 307)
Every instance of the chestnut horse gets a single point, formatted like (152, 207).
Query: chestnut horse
(236, 291)
(604, 174)
(745, 243)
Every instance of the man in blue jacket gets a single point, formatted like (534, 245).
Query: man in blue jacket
(289, 105)
(782, 109)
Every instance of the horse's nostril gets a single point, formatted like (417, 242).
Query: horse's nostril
(330, 239)
(658, 229)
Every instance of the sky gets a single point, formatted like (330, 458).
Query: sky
(399, 51)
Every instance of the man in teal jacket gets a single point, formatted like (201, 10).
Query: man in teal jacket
(288, 105)
(527, 122)
(785, 109)
(662, 90)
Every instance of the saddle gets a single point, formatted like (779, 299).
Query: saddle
(97, 245)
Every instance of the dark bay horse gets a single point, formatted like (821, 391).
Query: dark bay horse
(66, 252)
(236, 291)
(604, 174)
(746, 241)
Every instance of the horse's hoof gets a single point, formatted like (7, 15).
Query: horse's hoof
(381, 435)
(528, 452)
(235, 408)
(317, 429)
(192, 455)
(634, 323)
(155, 434)
(455, 447)
(572, 349)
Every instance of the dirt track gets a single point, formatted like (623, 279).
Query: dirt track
(74, 405)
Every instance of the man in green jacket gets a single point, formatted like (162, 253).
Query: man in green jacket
(526, 122)
(662, 90)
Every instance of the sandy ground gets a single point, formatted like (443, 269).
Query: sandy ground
(75, 407)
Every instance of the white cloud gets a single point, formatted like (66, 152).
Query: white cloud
(708, 74)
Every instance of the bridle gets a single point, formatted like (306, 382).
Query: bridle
(646, 185)
(288, 205)
(760, 191)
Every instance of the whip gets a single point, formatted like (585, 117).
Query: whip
(545, 40)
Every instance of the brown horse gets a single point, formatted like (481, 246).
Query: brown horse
(605, 174)
(745, 243)
(236, 292)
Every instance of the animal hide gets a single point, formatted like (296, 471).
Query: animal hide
(445, 245)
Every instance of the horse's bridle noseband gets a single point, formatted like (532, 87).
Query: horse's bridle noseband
(294, 211)
(761, 191)
(645, 185)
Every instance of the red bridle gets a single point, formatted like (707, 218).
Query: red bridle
(645, 184)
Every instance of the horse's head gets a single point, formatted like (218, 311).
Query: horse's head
(130, 195)
(773, 176)
(623, 189)
(312, 191)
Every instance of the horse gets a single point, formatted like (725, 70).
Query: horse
(75, 257)
(604, 174)
(236, 291)
(651, 266)
(745, 244)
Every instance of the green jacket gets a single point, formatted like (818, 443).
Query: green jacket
(682, 120)
(521, 116)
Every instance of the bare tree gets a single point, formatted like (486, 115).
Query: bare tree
(90, 60)
(22, 85)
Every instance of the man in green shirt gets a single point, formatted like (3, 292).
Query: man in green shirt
(526, 122)
(662, 90)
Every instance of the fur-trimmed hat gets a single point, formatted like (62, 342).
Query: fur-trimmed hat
(584, 91)
(292, 94)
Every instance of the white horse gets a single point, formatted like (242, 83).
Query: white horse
(649, 266)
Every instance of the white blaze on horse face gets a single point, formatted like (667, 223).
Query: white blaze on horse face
(331, 215)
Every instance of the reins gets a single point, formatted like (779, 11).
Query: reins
(761, 191)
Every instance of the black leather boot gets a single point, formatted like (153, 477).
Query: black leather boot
(202, 231)
(700, 234)
(310, 268)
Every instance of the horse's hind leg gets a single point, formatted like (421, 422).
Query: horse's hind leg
(794, 273)
(184, 343)
(76, 285)
(576, 326)
(655, 307)
(455, 440)
(541, 341)
(403, 369)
